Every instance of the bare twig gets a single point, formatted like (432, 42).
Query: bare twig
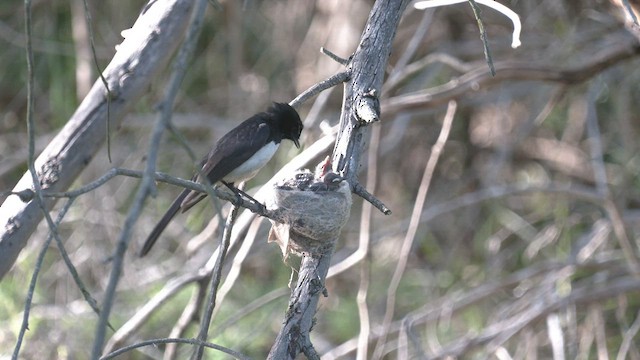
(396, 79)
(478, 78)
(37, 187)
(334, 57)
(189, 315)
(483, 36)
(367, 67)
(458, 301)
(319, 87)
(628, 339)
(236, 266)
(32, 286)
(162, 177)
(595, 142)
(360, 190)
(132, 69)
(201, 274)
(172, 288)
(215, 281)
(400, 67)
(196, 342)
(515, 19)
(363, 247)
(293, 338)
(251, 307)
(147, 183)
(602, 187)
(89, 24)
(413, 226)
(631, 14)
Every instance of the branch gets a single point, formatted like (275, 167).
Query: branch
(136, 64)
(360, 108)
(334, 57)
(319, 87)
(363, 193)
(410, 236)
(477, 78)
(201, 274)
(154, 342)
(294, 335)
(215, 282)
(196, 18)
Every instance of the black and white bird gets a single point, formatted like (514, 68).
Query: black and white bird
(237, 157)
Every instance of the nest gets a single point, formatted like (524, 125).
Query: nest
(313, 211)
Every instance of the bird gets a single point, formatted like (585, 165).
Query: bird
(236, 157)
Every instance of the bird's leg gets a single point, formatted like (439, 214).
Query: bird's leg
(239, 194)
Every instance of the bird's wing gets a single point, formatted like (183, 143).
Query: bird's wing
(233, 149)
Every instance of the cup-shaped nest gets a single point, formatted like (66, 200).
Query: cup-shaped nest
(313, 211)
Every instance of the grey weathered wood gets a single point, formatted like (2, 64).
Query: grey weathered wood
(360, 108)
(139, 59)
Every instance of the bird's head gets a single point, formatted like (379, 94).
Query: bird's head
(287, 120)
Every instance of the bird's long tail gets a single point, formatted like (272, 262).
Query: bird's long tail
(162, 224)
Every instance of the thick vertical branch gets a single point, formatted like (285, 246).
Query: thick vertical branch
(360, 108)
(361, 105)
(294, 335)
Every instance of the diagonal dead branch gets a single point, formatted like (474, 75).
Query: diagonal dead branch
(509, 70)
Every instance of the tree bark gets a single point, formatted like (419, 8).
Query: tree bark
(143, 54)
(360, 108)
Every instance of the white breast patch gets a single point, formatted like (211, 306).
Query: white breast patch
(251, 167)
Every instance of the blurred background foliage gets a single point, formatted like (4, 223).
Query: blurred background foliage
(517, 254)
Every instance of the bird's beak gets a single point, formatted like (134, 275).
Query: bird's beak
(295, 141)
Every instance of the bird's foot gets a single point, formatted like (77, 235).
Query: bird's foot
(261, 208)
(239, 199)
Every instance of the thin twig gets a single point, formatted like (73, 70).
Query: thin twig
(509, 70)
(165, 178)
(595, 142)
(630, 13)
(483, 36)
(363, 248)
(458, 301)
(87, 15)
(410, 70)
(236, 265)
(359, 190)
(32, 286)
(174, 286)
(602, 185)
(400, 66)
(86, 294)
(628, 338)
(334, 57)
(583, 295)
(215, 282)
(34, 176)
(315, 89)
(515, 19)
(413, 226)
(154, 342)
(189, 315)
(170, 289)
(249, 308)
(147, 184)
